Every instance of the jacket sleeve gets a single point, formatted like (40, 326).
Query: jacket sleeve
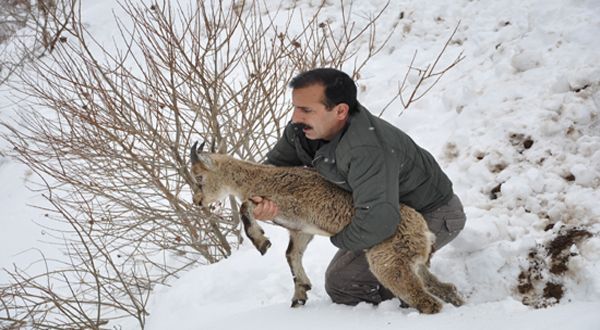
(373, 178)
(284, 153)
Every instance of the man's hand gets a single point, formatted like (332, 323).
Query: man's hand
(265, 209)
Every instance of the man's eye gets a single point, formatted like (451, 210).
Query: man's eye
(303, 109)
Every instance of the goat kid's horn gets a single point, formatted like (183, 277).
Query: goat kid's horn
(194, 152)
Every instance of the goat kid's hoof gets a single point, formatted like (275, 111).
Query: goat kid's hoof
(430, 307)
(264, 246)
(298, 303)
(456, 301)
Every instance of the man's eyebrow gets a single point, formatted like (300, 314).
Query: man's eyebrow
(301, 107)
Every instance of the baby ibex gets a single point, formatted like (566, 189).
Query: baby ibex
(309, 205)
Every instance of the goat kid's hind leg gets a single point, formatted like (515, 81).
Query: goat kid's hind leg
(254, 232)
(445, 291)
(400, 278)
(298, 243)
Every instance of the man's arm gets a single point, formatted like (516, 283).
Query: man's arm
(373, 178)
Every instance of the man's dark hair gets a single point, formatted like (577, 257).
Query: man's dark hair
(339, 87)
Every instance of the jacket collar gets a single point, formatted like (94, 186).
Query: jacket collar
(327, 150)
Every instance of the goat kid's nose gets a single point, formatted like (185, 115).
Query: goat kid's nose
(197, 199)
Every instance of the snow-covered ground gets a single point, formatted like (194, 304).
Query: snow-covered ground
(254, 292)
(517, 127)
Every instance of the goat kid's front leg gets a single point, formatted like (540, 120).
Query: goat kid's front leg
(445, 291)
(254, 232)
(294, 253)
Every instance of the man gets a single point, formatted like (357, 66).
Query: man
(374, 160)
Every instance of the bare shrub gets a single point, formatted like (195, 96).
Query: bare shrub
(29, 29)
(107, 130)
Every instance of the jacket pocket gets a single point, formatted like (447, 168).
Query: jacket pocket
(449, 218)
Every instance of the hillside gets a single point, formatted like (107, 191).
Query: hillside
(516, 126)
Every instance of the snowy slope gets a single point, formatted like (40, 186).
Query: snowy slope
(254, 292)
(517, 127)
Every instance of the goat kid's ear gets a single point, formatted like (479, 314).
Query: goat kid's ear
(206, 161)
(220, 147)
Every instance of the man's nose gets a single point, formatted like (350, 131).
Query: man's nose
(297, 116)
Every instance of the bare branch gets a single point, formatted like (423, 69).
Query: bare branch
(107, 132)
(424, 77)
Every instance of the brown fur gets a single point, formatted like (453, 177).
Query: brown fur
(310, 205)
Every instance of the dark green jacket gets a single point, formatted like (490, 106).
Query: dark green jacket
(379, 164)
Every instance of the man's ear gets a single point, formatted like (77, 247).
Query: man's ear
(342, 110)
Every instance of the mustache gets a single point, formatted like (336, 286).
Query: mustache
(300, 126)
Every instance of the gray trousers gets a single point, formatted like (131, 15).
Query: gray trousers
(348, 279)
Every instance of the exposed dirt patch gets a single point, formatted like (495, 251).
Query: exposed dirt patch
(451, 151)
(495, 192)
(569, 177)
(520, 141)
(562, 242)
(540, 284)
(553, 291)
(559, 249)
(497, 167)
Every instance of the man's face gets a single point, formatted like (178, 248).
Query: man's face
(318, 121)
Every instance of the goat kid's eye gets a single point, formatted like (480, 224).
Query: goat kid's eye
(199, 180)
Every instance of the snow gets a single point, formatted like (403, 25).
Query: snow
(521, 114)
(254, 292)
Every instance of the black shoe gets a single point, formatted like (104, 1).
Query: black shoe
(387, 295)
(403, 304)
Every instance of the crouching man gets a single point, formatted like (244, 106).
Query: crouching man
(378, 163)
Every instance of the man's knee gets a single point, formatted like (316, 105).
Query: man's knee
(336, 289)
(337, 279)
(352, 293)
(349, 281)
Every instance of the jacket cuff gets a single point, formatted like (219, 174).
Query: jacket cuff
(335, 241)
